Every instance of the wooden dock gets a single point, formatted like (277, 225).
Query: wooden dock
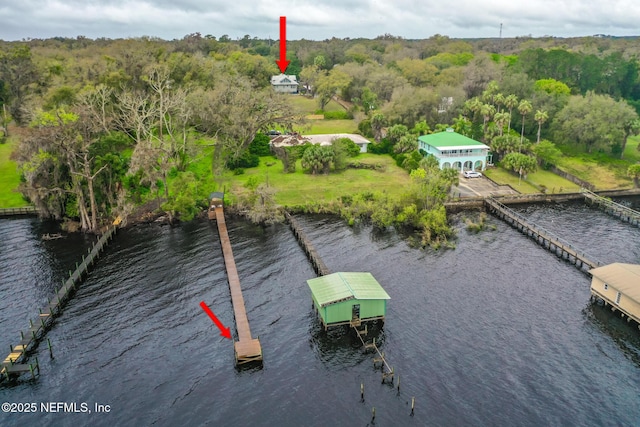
(318, 265)
(548, 240)
(612, 208)
(247, 349)
(27, 210)
(15, 362)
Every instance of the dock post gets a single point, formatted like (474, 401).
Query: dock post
(37, 365)
(33, 375)
(50, 350)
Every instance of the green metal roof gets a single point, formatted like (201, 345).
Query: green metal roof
(337, 287)
(450, 139)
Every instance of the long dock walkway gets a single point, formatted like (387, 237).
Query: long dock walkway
(15, 362)
(548, 240)
(612, 208)
(247, 349)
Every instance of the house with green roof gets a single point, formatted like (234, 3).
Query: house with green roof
(345, 298)
(455, 151)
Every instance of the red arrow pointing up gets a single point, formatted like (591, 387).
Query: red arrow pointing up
(225, 332)
(282, 62)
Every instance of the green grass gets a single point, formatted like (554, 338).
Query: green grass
(553, 182)
(300, 188)
(308, 105)
(9, 178)
(501, 176)
(600, 168)
(318, 127)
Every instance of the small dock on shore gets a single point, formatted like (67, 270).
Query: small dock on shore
(548, 240)
(27, 210)
(16, 362)
(247, 349)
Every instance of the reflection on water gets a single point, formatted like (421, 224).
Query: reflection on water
(496, 332)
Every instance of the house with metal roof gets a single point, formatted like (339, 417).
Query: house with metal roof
(618, 285)
(285, 83)
(454, 150)
(348, 298)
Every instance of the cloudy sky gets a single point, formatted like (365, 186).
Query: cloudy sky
(316, 19)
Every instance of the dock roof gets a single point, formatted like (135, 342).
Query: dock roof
(623, 277)
(450, 139)
(337, 287)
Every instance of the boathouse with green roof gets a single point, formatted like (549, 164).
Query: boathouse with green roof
(455, 151)
(348, 298)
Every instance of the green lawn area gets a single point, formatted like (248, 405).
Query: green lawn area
(9, 178)
(553, 182)
(600, 169)
(310, 106)
(299, 188)
(318, 127)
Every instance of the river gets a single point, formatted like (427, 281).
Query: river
(495, 332)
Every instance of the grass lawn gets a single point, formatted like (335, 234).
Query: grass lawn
(318, 127)
(299, 188)
(553, 182)
(600, 169)
(9, 178)
(310, 106)
(501, 176)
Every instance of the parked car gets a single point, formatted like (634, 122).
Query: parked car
(273, 133)
(471, 174)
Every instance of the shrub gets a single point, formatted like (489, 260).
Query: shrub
(260, 145)
(338, 115)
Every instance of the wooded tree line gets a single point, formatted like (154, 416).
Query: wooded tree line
(104, 123)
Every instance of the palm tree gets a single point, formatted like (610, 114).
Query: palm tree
(510, 102)
(498, 100)
(500, 119)
(487, 111)
(524, 108)
(541, 116)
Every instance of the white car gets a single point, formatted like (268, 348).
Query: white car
(471, 174)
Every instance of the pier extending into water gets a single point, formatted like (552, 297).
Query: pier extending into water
(612, 208)
(17, 360)
(247, 349)
(548, 240)
(318, 265)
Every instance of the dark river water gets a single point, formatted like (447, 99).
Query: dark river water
(496, 332)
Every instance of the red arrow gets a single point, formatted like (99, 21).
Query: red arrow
(283, 63)
(225, 332)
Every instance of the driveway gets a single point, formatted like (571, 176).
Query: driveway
(480, 187)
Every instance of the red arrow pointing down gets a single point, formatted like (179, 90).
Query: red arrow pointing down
(225, 332)
(282, 62)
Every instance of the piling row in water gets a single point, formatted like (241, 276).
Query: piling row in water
(544, 238)
(15, 362)
(612, 208)
(318, 265)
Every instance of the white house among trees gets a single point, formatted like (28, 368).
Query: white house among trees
(285, 83)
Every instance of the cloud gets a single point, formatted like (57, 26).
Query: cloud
(314, 19)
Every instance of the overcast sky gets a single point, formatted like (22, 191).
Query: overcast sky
(316, 19)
